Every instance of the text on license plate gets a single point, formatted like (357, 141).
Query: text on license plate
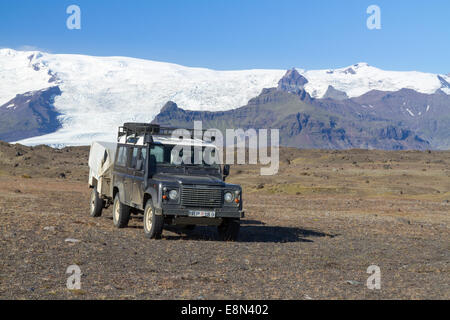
(201, 213)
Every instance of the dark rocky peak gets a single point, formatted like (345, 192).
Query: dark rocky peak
(170, 106)
(444, 83)
(349, 71)
(53, 77)
(361, 65)
(35, 56)
(335, 94)
(292, 81)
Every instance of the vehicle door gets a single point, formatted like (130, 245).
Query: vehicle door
(128, 176)
(122, 173)
(120, 170)
(138, 158)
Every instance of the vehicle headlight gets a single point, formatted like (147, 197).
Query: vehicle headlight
(173, 194)
(228, 197)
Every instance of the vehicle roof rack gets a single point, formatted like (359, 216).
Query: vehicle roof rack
(137, 129)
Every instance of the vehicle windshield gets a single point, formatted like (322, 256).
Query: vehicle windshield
(166, 155)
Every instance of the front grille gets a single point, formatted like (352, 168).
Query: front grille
(201, 197)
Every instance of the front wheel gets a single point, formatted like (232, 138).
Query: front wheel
(229, 229)
(121, 213)
(97, 204)
(153, 224)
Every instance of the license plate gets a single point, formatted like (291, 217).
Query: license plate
(201, 213)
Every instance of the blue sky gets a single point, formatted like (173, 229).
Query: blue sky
(239, 34)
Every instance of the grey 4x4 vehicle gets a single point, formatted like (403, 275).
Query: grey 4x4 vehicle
(137, 175)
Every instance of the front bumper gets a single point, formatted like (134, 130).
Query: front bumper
(184, 212)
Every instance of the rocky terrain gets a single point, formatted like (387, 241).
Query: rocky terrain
(30, 114)
(310, 232)
(397, 120)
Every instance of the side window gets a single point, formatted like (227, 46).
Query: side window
(158, 153)
(141, 161)
(135, 158)
(121, 157)
(138, 157)
(128, 154)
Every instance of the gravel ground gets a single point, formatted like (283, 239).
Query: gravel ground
(293, 245)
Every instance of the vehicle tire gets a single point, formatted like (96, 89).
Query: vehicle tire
(121, 213)
(153, 224)
(97, 204)
(229, 229)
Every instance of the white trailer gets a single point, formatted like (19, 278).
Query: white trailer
(101, 162)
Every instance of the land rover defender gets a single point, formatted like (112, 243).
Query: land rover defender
(138, 175)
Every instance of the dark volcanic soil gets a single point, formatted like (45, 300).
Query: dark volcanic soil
(310, 232)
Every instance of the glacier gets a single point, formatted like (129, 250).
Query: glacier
(101, 93)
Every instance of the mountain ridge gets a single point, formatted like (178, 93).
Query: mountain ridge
(100, 93)
(376, 120)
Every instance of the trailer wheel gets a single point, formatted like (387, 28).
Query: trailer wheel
(229, 229)
(96, 204)
(121, 213)
(153, 224)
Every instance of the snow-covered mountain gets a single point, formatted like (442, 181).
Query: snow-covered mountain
(361, 78)
(100, 93)
(399, 120)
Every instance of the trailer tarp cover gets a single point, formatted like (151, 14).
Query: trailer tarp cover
(101, 158)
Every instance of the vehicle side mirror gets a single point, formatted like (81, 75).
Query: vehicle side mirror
(226, 170)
